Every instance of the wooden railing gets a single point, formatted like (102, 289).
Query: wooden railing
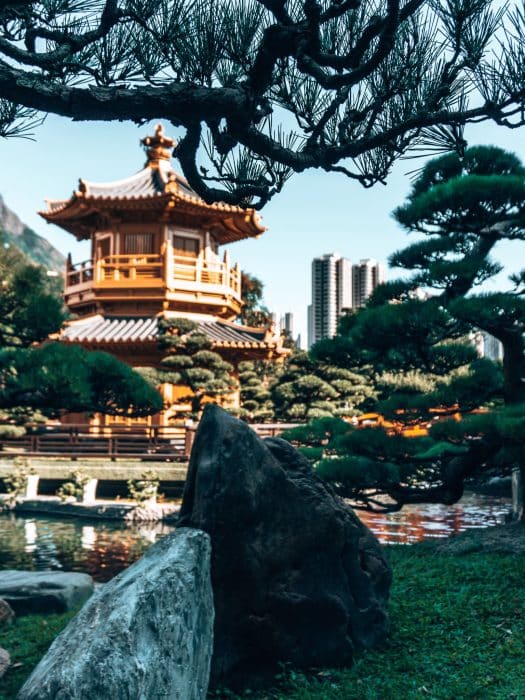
(129, 267)
(79, 273)
(126, 269)
(150, 443)
(203, 271)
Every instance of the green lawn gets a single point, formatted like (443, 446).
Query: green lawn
(26, 641)
(458, 632)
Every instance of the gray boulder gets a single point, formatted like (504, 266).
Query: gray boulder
(29, 592)
(145, 635)
(296, 576)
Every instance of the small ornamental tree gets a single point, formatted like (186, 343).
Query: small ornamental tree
(254, 380)
(307, 389)
(425, 372)
(190, 363)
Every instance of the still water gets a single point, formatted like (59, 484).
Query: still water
(104, 549)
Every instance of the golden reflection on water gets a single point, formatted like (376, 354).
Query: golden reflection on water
(415, 523)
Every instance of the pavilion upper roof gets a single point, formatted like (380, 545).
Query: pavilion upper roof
(158, 188)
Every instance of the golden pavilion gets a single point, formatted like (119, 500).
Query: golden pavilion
(155, 253)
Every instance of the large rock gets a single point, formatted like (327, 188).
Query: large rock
(296, 576)
(145, 635)
(29, 592)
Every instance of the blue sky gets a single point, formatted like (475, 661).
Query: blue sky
(316, 213)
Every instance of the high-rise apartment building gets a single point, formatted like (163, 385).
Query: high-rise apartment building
(366, 275)
(331, 293)
(287, 324)
(337, 286)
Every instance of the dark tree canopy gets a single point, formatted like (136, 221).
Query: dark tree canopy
(305, 389)
(465, 208)
(425, 368)
(269, 87)
(56, 378)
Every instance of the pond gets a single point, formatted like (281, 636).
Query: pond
(415, 523)
(104, 549)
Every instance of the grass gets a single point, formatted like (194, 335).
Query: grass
(27, 640)
(458, 633)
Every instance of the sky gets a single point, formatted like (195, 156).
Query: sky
(316, 213)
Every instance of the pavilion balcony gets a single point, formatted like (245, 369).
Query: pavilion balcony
(169, 275)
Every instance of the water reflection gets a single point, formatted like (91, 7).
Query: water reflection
(415, 523)
(105, 549)
(99, 549)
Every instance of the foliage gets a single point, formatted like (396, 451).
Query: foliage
(268, 88)
(11, 431)
(191, 364)
(16, 482)
(144, 489)
(58, 377)
(425, 368)
(255, 379)
(253, 312)
(30, 308)
(309, 389)
(74, 488)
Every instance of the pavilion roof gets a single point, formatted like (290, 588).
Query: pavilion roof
(114, 330)
(156, 187)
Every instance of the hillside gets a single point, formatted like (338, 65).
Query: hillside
(25, 239)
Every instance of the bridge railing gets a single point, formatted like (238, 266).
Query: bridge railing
(148, 443)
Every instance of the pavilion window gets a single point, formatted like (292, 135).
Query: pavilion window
(186, 247)
(139, 243)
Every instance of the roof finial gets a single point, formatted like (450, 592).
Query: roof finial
(158, 147)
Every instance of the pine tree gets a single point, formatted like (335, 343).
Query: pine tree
(254, 379)
(425, 370)
(191, 364)
(267, 88)
(307, 389)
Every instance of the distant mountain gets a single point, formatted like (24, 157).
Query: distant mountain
(25, 239)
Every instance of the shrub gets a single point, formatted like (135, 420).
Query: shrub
(11, 431)
(75, 487)
(143, 489)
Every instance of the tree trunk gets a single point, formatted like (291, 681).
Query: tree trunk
(518, 494)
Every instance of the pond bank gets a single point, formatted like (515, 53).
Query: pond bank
(97, 510)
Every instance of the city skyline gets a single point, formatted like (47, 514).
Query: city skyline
(315, 213)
